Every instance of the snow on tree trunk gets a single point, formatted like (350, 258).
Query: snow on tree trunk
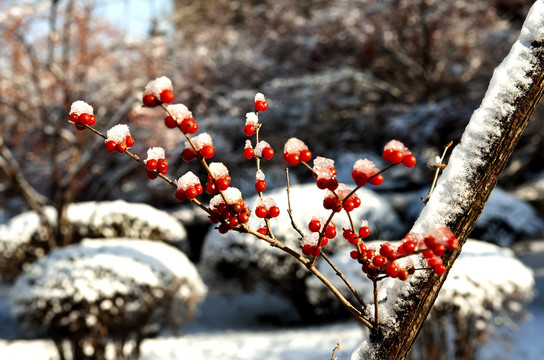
(474, 167)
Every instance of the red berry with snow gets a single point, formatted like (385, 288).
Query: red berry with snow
(260, 102)
(207, 151)
(314, 225)
(157, 91)
(440, 269)
(392, 270)
(409, 161)
(189, 126)
(248, 153)
(149, 100)
(274, 211)
(260, 185)
(167, 96)
(170, 122)
(110, 146)
(188, 154)
(249, 129)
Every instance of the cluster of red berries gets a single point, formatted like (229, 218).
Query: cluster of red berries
(155, 163)
(229, 214)
(341, 199)
(188, 187)
(118, 139)
(264, 150)
(81, 114)
(296, 151)
(158, 91)
(386, 260)
(395, 152)
(266, 208)
(260, 102)
(365, 171)
(222, 178)
(181, 118)
(325, 173)
(204, 147)
(311, 245)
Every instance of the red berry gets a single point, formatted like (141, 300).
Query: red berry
(167, 96)
(360, 178)
(330, 231)
(348, 205)
(170, 122)
(438, 249)
(189, 126)
(84, 119)
(392, 270)
(190, 193)
(199, 189)
(210, 188)
(260, 185)
(243, 218)
(440, 269)
(291, 159)
(409, 161)
(261, 212)
(110, 146)
(151, 164)
(376, 180)
(261, 105)
(207, 151)
(223, 228)
(74, 118)
(322, 183)
(314, 251)
(364, 231)
(274, 211)
(180, 195)
(248, 153)
(305, 155)
(151, 175)
(120, 148)
(305, 249)
(223, 183)
(249, 129)
(433, 261)
(427, 254)
(129, 141)
(354, 254)
(188, 154)
(268, 153)
(314, 225)
(402, 274)
(409, 246)
(324, 241)
(149, 100)
(163, 166)
(378, 261)
(92, 120)
(332, 184)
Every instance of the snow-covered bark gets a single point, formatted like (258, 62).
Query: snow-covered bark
(473, 170)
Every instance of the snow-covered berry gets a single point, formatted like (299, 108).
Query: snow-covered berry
(81, 114)
(183, 117)
(365, 170)
(118, 138)
(264, 150)
(295, 151)
(260, 102)
(158, 91)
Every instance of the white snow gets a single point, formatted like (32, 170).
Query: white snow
(232, 195)
(187, 180)
(81, 107)
(180, 112)
(366, 167)
(294, 146)
(251, 118)
(259, 97)
(157, 86)
(118, 133)
(259, 175)
(218, 170)
(155, 153)
(322, 166)
(260, 147)
(200, 141)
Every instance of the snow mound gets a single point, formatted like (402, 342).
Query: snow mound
(114, 287)
(24, 237)
(248, 261)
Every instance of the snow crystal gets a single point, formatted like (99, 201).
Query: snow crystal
(187, 180)
(218, 170)
(200, 141)
(248, 144)
(158, 85)
(341, 192)
(322, 167)
(180, 112)
(311, 239)
(260, 147)
(251, 118)
(294, 146)
(259, 175)
(155, 153)
(259, 97)
(81, 107)
(118, 133)
(232, 195)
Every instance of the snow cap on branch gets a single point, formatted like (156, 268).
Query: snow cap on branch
(118, 133)
(81, 107)
(157, 86)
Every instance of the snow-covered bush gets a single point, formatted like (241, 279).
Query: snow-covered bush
(485, 288)
(100, 292)
(249, 261)
(23, 238)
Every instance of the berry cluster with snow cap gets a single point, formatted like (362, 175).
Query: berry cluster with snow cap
(181, 118)
(118, 139)
(260, 183)
(248, 152)
(155, 162)
(188, 187)
(203, 144)
(252, 122)
(158, 91)
(325, 173)
(266, 208)
(231, 213)
(260, 102)
(395, 152)
(81, 114)
(222, 178)
(339, 199)
(296, 151)
(365, 171)
(264, 150)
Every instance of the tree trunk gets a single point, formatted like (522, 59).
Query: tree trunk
(473, 171)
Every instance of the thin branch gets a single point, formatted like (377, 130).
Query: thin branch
(439, 167)
(289, 209)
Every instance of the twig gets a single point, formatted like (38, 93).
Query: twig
(439, 167)
(338, 346)
(289, 209)
(375, 283)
